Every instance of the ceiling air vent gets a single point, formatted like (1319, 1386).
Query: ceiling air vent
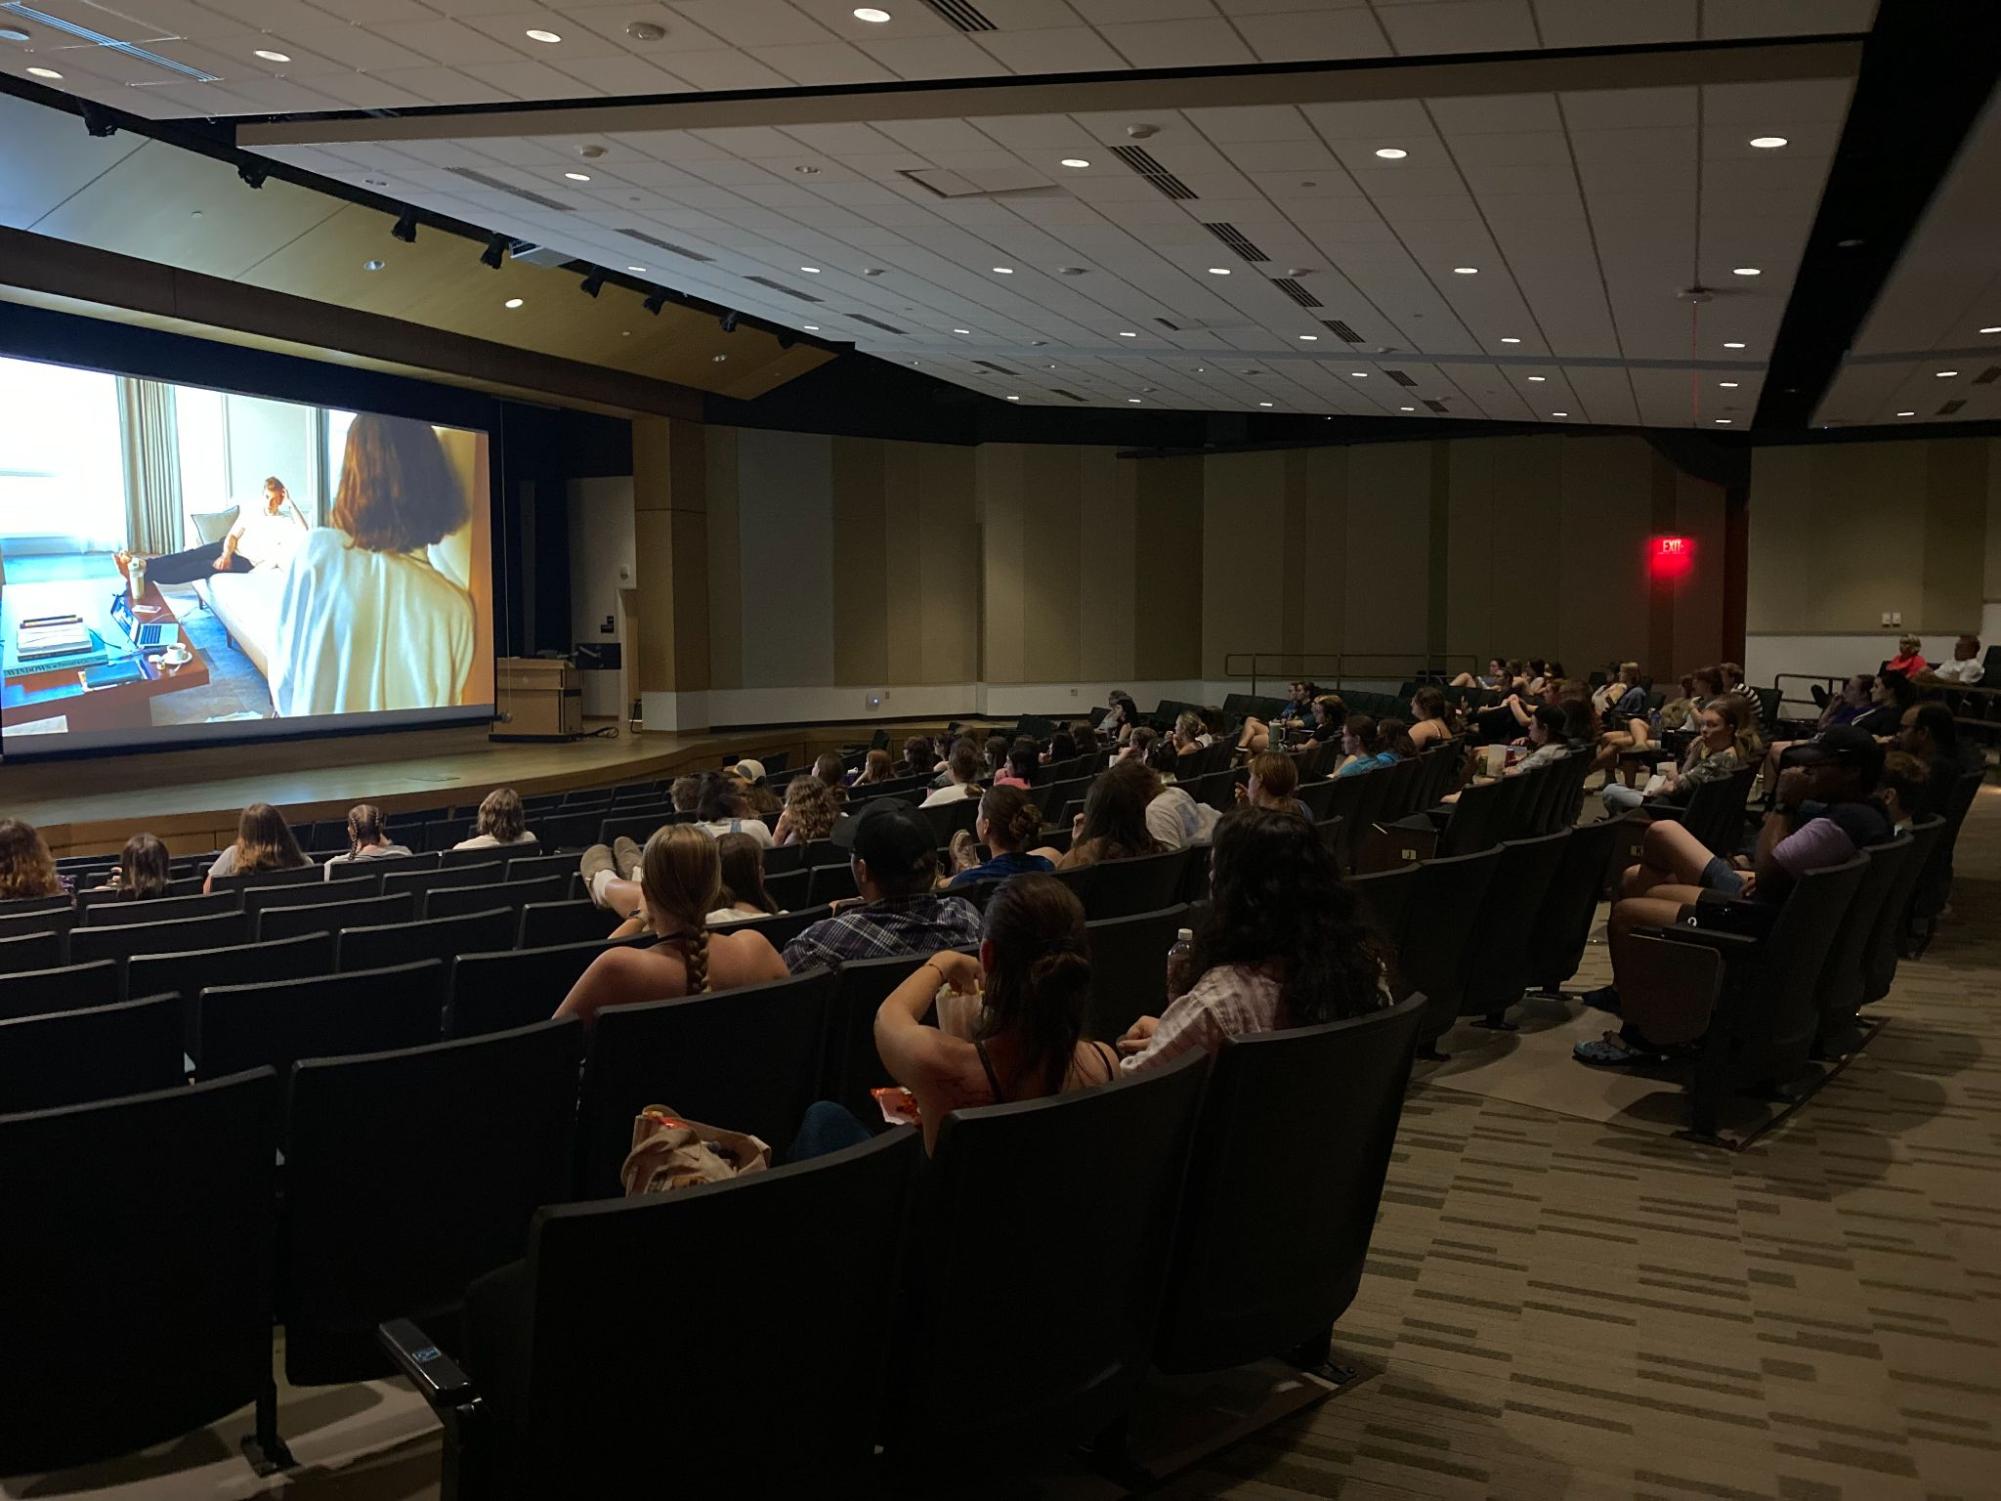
(1436, 406)
(779, 286)
(1237, 240)
(667, 245)
(1400, 377)
(472, 175)
(962, 15)
(1173, 328)
(888, 328)
(1950, 407)
(1067, 395)
(1165, 182)
(1296, 292)
(1988, 376)
(1340, 330)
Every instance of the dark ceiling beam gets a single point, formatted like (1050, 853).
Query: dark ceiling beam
(1927, 70)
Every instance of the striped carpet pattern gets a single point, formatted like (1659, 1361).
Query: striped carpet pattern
(1559, 1307)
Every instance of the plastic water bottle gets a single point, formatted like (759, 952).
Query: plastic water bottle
(1179, 957)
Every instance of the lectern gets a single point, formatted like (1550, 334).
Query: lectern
(537, 698)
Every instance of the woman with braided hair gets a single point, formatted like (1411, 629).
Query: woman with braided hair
(680, 884)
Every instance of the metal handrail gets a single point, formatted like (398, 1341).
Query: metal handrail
(1832, 684)
(1291, 666)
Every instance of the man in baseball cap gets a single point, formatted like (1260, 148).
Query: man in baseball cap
(893, 853)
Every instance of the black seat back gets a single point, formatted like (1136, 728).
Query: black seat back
(1122, 888)
(1844, 978)
(115, 913)
(61, 988)
(1879, 960)
(399, 1190)
(483, 873)
(330, 917)
(98, 1053)
(1494, 970)
(546, 924)
(188, 975)
(339, 888)
(1129, 968)
(458, 900)
(162, 1276)
(517, 987)
(33, 917)
(828, 883)
(579, 1357)
(1715, 812)
(31, 951)
(1443, 908)
(745, 1059)
(122, 942)
(1060, 1211)
(1934, 885)
(781, 928)
(290, 876)
(280, 1021)
(436, 938)
(850, 1066)
(1478, 818)
(1386, 897)
(1562, 924)
(1287, 1172)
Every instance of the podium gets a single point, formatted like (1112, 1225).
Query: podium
(537, 698)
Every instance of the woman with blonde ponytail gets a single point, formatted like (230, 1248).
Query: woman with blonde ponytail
(680, 884)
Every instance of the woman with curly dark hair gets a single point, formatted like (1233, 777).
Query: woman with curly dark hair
(26, 867)
(1285, 944)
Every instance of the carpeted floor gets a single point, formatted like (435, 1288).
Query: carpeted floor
(1564, 1299)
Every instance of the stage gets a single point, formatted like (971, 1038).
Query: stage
(191, 798)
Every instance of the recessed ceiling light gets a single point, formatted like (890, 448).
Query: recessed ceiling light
(1995, 330)
(1559, 414)
(1945, 374)
(1746, 271)
(1264, 403)
(1538, 379)
(512, 302)
(12, 34)
(962, 330)
(1359, 374)
(1219, 270)
(1510, 341)
(1309, 338)
(272, 57)
(1125, 333)
(373, 265)
(1728, 385)
(637, 270)
(1003, 270)
(810, 270)
(578, 176)
(811, 328)
(43, 73)
(537, 34)
(1907, 414)
(1406, 409)
(1014, 398)
(1391, 153)
(1133, 399)
(1768, 143)
(1075, 161)
(1721, 421)
(1732, 344)
(870, 14)
(1465, 270)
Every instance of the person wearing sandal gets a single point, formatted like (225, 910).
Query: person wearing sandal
(261, 536)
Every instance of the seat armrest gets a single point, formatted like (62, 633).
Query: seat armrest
(438, 1378)
(1726, 944)
(1654, 812)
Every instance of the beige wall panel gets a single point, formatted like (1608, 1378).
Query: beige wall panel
(1243, 501)
(997, 477)
(786, 520)
(1388, 552)
(1955, 512)
(691, 601)
(1698, 598)
(1600, 576)
(725, 557)
(1168, 586)
(1991, 589)
(1324, 574)
(1863, 551)
(1530, 514)
(1052, 575)
(860, 563)
(950, 548)
(903, 518)
(653, 632)
(1781, 544)
(1108, 548)
(1470, 566)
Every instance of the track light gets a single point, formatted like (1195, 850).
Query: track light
(655, 303)
(591, 285)
(495, 249)
(96, 119)
(406, 227)
(252, 176)
(729, 322)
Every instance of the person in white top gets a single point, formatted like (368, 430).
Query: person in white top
(723, 809)
(501, 821)
(964, 768)
(365, 622)
(1172, 816)
(264, 537)
(1965, 670)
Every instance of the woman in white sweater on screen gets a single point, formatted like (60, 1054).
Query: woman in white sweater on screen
(366, 623)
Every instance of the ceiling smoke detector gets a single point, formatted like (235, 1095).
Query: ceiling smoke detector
(645, 31)
(1142, 132)
(590, 153)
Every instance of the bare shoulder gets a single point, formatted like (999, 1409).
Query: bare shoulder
(749, 950)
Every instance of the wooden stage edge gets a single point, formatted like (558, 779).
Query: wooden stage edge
(191, 798)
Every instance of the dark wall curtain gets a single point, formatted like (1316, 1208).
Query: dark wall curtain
(152, 466)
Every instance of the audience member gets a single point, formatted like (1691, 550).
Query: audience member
(263, 842)
(1022, 760)
(1174, 818)
(1362, 747)
(919, 758)
(26, 867)
(897, 912)
(1904, 789)
(144, 869)
(1113, 823)
(1547, 742)
(741, 864)
(1284, 945)
(724, 808)
(366, 839)
(757, 794)
(1679, 711)
(963, 772)
(1432, 718)
(1496, 676)
(1328, 715)
(827, 768)
(996, 755)
(685, 793)
(809, 813)
(1965, 670)
(1733, 683)
(1395, 735)
(1273, 784)
(1894, 693)
(1928, 732)
(1723, 746)
(875, 768)
(1007, 822)
(1062, 747)
(1189, 735)
(680, 885)
(499, 823)
(1910, 658)
(1122, 714)
(1139, 744)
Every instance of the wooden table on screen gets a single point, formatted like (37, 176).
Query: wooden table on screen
(119, 706)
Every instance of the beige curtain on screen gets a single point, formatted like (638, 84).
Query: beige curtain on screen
(152, 466)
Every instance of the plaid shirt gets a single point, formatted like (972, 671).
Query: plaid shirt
(896, 925)
(1230, 1000)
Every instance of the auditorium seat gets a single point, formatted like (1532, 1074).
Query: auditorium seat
(280, 1021)
(850, 1066)
(189, 973)
(1495, 965)
(103, 909)
(400, 1188)
(567, 830)
(86, 944)
(1886, 935)
(449, 859)
(1129, 969)
(781, 928)
(456, 901)
(828, 883)
(40, 917)
(1444, 904)
(1121, 888)
(516, 987)
(438, 938)
(747, 1059)
(22, 905)
(570, 1361)
(545, 924)
(780, 859)
(1569, 905)
(332, 916)
(1385, 896)
(1039, 1257)
(31, 951)
(259, 900)
(788, 888)
(1290, 1153)
(534, 867)
(482, 873)
(1844, 979)
(61, 988)
(93, 1053)
(288, 877)
(142, 1228)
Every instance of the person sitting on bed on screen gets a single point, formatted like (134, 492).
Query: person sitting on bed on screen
(262, 537)
(366, 622)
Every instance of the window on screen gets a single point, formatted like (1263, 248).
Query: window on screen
(62, 478)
